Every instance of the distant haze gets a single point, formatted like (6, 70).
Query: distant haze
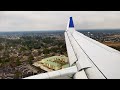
(57, 20)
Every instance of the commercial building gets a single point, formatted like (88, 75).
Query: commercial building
(55, 62)
(52, 65)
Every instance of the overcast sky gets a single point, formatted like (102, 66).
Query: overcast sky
(57, 20)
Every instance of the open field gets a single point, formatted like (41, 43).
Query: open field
(114, 44)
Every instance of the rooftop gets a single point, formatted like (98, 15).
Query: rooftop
(53, 63)
(65, 66)
(53, 57)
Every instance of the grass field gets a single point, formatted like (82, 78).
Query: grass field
(116, 44)
(113, 45)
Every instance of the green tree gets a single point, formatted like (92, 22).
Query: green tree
(23, 49)
(30, 59)
(17, 75)
(1, 47)
(18, 62)
(46, 51)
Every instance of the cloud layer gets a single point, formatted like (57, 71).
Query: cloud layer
(57, 20)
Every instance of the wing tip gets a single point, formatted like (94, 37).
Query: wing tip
(71, 24)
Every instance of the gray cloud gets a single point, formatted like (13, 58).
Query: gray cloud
(57, 20)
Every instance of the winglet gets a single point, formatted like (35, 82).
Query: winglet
(71, 24)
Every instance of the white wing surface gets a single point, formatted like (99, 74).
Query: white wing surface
(97, 60)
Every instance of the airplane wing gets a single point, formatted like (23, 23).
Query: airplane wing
(88, 59)
(97, 60)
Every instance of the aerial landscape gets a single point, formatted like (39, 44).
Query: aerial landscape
(59, 44)
(20, 51)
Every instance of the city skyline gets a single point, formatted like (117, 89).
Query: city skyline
(57, 20)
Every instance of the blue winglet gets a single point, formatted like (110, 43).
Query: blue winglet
(71, 24)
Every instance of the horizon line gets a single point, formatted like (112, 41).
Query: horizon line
(57, 30)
